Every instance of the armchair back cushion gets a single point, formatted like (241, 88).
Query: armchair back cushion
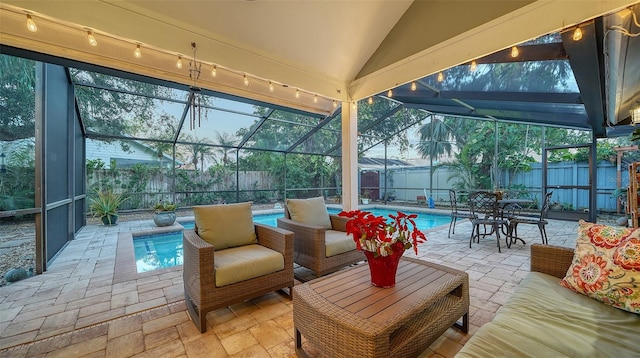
(311, 211)
(226, 225)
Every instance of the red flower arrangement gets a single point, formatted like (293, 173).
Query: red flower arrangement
(373, 233)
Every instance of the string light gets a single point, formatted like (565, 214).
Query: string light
(335, 104)
(577, 34)
(297, 93)
(370, 100)
(31, 25)
(389, 93)
(315, 98)
(214, 71)
(246, 80)
(413, 86)
(354, 105)
(440, 77)
(271, 88)
(92, 39)
(179, 62)
(474, 66)
(137, 52)
(514, 52)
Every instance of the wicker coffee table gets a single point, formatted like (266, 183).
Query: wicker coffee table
(343, 315)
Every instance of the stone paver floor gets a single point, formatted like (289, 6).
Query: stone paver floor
(91, 302)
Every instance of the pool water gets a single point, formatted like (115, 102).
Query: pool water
(158, 251)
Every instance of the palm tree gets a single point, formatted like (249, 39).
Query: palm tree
(226, 142)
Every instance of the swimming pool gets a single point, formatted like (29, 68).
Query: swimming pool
(156, 251)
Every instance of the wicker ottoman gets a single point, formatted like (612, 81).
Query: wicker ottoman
(343, 315)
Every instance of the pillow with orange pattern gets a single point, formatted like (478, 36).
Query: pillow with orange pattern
(606, 265)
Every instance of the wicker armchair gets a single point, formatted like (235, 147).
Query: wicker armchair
(200, 290)
(310, 246)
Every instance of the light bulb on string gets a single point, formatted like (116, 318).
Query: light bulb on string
(137, 53)
(440, 77)
(577, 34)
(271, 88)
(370, 100)
(474, 66)
(414, 86)
(179, 62)
(214, 71)
(514, 52)
(297, 93)
(389, 93)
(315, 98)
(91, 39)
(354, 105)
(31, 25)
(335, 104)
(246, 80)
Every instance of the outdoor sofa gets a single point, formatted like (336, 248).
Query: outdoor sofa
(545, 319)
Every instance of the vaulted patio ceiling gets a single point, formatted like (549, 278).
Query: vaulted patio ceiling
(350, 50)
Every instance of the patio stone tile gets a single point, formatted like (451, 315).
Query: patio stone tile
(70, 296)
(149, 295)
(155, 313)
(99, 317)
(154, 285)
(237, 342)
(44, 312)
(189, 332)
(97, 291)
(8, 314)
(22, 293)
(58, 323)
(445, 346)
(269, 334)
(89, 333)
(48, 345)
(271, 312)
(161, 337)
(18, 339)
(125, 346)
(236, 325)
(171, 349)
(123, 287)
(255, 351)
(89, 301)
(145, 305)
(23, 327)
(283, 350)
(174, 293)
(18, 352)
(125, 325)
(81, 349)
(164, 322)
(124, 299)
(147, 280)
(95, 308)
(500, 297)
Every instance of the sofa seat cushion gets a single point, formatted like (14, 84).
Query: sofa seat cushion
(245, 262)
(338, 242)
(544, 319)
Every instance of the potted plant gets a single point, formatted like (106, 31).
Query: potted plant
(164, 214)
(366, 194)
(104, 205)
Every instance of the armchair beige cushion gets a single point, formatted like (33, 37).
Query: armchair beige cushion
(244, 262)
(338, 242)
(210, 218)
(312, 211)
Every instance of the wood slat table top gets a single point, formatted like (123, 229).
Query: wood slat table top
(417, 283)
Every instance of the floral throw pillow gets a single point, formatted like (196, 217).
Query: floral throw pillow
(606, 265)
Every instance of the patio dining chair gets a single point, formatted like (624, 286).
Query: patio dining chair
(484, 209)
(455, 213)
(540, 221)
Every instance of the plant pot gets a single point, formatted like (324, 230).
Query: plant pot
(365, 201)
(383, 268)
(109, 220)
(164, 218)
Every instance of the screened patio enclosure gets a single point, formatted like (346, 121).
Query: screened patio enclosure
(85, 127)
